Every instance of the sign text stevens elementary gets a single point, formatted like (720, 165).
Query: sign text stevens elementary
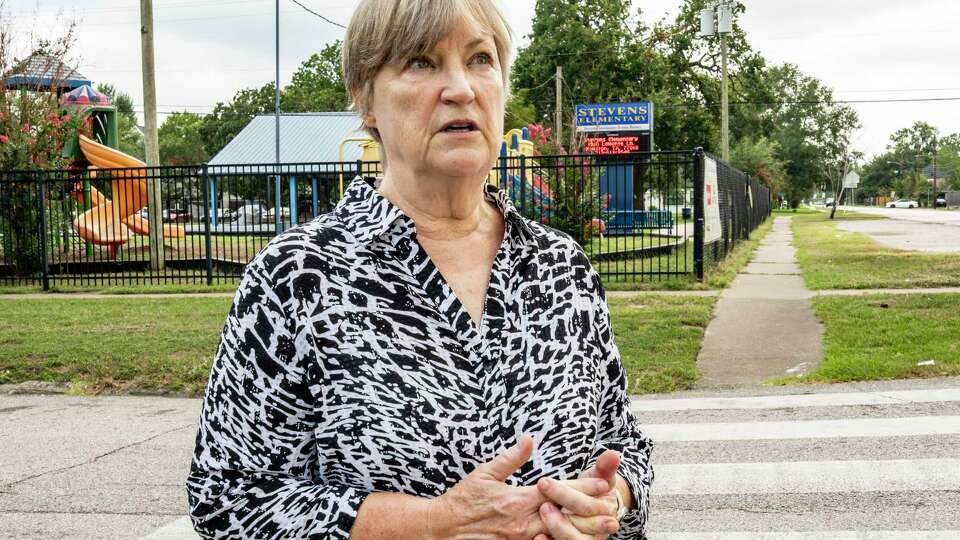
(614, 117)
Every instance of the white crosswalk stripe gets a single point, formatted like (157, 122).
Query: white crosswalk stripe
(722, 481)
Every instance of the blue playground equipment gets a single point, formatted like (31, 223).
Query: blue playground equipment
(619, 215)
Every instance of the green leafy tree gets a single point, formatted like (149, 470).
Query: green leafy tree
(595, 43)
(317, 85)
(128, 134)
(34, 127)
(519, 112)
(879, 176)
(758, 158)
(228, 119)
(181, 140)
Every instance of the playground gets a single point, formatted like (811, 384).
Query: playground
(633, 213)
(215, 218)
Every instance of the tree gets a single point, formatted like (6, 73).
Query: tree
(34, 128)
(227, 120)
(758, 158)
(181, 140)
(128, 134)
(317, 85)
(519, 112)
(592, 41)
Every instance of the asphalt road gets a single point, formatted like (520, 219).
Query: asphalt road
(920, 215)
(935, 231)
(869, 461)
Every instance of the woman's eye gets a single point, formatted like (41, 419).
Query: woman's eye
(483, 59)
(420, 63)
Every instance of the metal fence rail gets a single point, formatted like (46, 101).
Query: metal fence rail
(638, 217)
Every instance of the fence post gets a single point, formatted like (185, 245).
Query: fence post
(42, 196)
(206, 222)
(698, 231)
(523, 184)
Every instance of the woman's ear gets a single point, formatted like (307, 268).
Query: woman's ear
(362, 109)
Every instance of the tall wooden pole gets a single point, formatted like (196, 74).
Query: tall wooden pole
(152, 147)
(725, 113)
(558, 121)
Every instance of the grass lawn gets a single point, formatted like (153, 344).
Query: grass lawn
(116, 345)
(832, 258)
(886, 336)
(113, 343)
(659, 338)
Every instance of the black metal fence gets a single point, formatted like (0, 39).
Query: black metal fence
(740, 204)
(638, 217)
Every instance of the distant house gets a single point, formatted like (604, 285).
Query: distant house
(312, 168)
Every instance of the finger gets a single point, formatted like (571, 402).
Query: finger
(558, 524)
(572, 500)
(607, 465)
(505, 464)
(596, 525)
(593, 487)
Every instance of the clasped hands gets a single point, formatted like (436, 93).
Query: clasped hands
(482, 505)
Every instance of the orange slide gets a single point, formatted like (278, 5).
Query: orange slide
(109, 222)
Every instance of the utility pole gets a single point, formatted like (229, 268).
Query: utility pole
(152, 147)
(936, 175)
(277, 216)
(724, 103)
(719, 20)
(558, 121)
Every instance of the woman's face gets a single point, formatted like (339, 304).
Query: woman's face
(442, 113)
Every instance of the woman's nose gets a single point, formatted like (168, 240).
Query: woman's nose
(457, 87)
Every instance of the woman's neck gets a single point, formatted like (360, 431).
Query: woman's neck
(442, 208)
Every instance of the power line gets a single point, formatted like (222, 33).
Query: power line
(318, 15)
(799, 102)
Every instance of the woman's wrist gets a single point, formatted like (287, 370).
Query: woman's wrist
(398, 517)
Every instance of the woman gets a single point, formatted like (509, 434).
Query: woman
(422, 362)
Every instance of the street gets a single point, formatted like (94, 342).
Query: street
(920, 215)
(868, 460)
(828, 460)
(935, 231)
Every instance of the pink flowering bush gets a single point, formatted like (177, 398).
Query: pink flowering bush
(34, 127)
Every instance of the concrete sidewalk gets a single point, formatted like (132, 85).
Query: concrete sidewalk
(763, 324)
(102, 467)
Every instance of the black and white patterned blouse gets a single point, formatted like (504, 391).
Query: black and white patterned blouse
(347, 366)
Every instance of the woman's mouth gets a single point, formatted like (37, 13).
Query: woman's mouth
(459, 127)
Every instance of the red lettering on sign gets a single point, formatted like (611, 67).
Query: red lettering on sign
(613, 145)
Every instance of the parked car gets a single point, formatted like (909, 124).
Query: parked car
(224, 215)
(941, 201)
(250, 214)
(829, 203)
(269, 214)
(903, 203)
(176, 215)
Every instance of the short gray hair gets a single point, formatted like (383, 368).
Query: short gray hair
(382, 32)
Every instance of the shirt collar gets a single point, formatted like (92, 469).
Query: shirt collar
(368, 215)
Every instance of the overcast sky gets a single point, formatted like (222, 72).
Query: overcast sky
(206, 50)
